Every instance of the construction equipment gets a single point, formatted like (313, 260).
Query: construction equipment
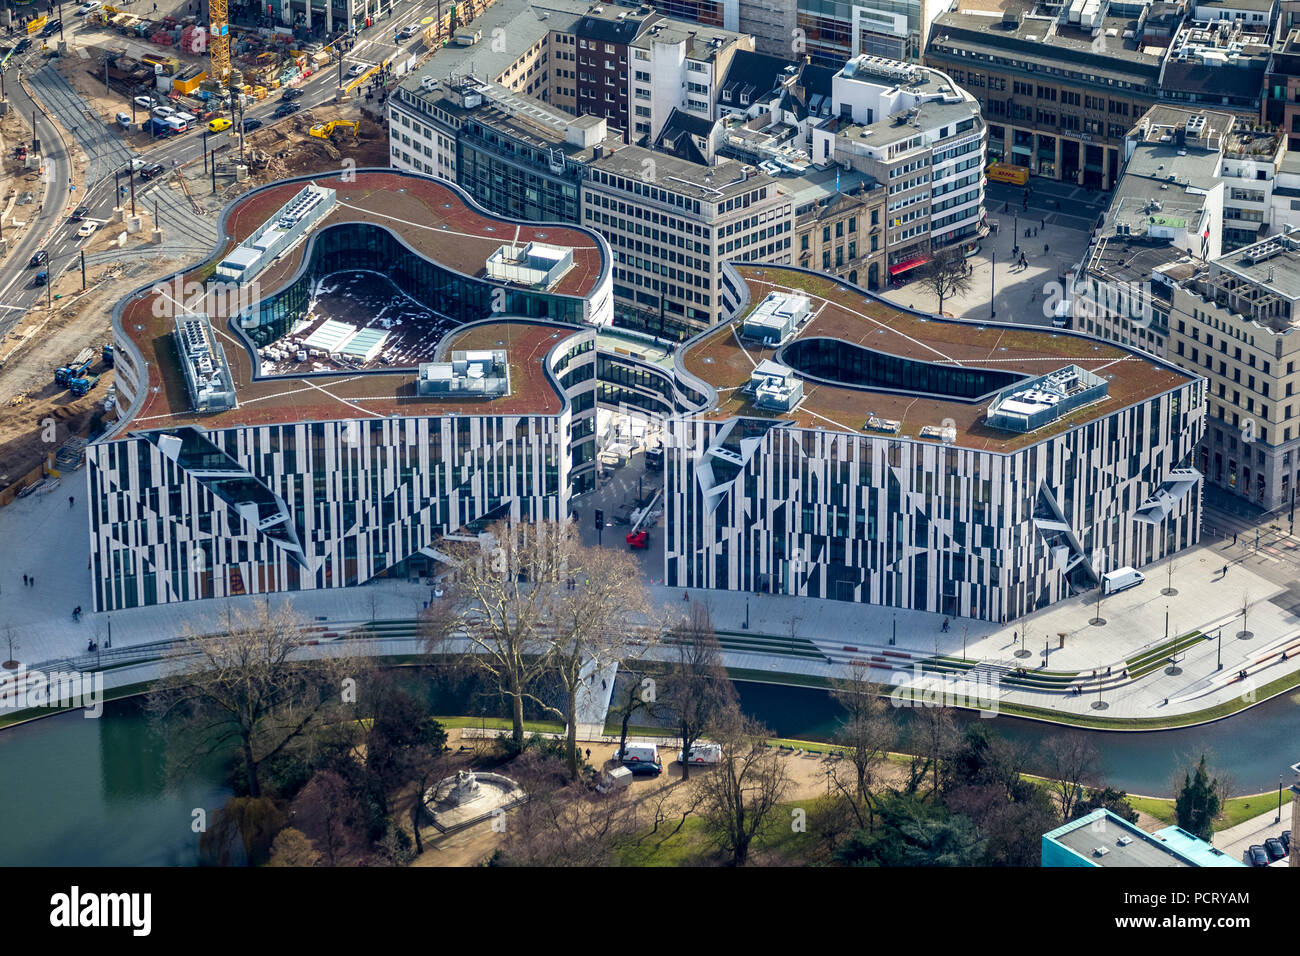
(82, 384)
(219, 40)
(64, 374)
(326, 130)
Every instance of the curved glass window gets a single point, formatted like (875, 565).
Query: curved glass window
(843, 363)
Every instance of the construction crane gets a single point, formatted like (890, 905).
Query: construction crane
(219, 40)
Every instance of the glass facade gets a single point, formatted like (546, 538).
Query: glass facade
(363, 246)
(835, 360)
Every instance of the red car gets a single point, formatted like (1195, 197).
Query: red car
(639, 539)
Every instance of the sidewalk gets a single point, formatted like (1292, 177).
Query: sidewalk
(45, 538)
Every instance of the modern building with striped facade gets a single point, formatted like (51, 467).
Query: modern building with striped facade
(327, 470)
(853, 451)
(974, 470)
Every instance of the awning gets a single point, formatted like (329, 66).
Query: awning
(908, 264)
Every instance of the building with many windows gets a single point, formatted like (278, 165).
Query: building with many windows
(330, 463)
(930, 464)
(671, 224)
(1235, 323)
(921, 137)
(677, 66)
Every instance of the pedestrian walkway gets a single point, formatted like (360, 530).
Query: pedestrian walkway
(1070, 664)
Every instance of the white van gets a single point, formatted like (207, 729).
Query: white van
(1120, 579)
(177, 124)
(1061, 317)
(640, 758)
(702, 754)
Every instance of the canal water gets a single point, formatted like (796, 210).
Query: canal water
(83, 792)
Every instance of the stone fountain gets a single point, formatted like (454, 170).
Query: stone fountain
(456, 802)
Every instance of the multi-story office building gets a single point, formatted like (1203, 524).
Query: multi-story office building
(1280, 104)
(1218, 64)
(515, 155)
(909, 470)
(837, 30)
(1235, 323)
(839, 226)
(677, 66)
(672, 223)
(1057, 98)
(347, 452)
(596, 61)
(919, 135)
(914, 473)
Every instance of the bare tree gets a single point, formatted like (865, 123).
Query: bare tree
(934, 733)
(639, 693)
(866, 733)
(492, 616)
(698, 690)
(946, 275)
(292, 848)
(250, 687)
(1072, 765)
(594, 622)
(747, 786)
(11, 642)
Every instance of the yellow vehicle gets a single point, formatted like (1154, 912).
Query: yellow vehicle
(326, 130)
(219, 124)
(37, 24)
(1007, 173)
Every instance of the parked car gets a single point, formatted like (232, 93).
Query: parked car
(87, 229)
(79, 213)
(163, 112)
(285, 109)
(1274, 848)
(291, 94)
(145, 102)
(87, 7)
(252, 124)
(702, 754)
(150, 171)
(40, 257)
(1286, 840)
(124, 120)
(52, 28)
(1256, 856)
(219, 124)
(640, 759)
(409, 31)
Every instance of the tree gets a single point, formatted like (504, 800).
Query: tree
(748, 784)
(594, 621)
(249, 687)
(698, 691)
(638, 694)
(1116, 801)
(932, 735)
(242, 832)
(946, 275)
(866, 733)
(911, 831)
(404, 745)
(492, 616)
(11, 643)
(292, 848)
(1199, 802)
(1072, 764)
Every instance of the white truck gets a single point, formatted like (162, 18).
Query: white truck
(639, 758)
(702, 754)
(1121, 579)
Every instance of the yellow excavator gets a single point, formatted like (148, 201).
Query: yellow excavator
(326, 130)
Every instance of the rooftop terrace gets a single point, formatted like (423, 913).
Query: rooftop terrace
(428, 216)
(841, 312)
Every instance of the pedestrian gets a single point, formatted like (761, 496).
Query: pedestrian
(1046, 248)
(24, 580)
(1234, 537)
(588, 753)
(1225, 570)
(33, 581)
(70, 500)
(1043, 223)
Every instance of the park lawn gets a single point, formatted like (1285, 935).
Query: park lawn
(1236, 810)
(502, 723)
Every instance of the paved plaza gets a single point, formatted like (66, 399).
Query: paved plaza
(47, 540)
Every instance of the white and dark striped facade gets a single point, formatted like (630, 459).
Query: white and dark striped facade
(188, 513)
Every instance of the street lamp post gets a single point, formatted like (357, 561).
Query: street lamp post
(1166, 622)
(993, 278)
(747, 614)
(1219, 662)
(893, 637)
(1279, 799)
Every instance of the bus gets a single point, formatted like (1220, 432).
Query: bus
(1007, 173)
